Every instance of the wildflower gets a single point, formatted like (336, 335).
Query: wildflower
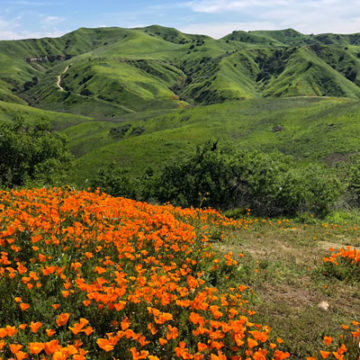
(35, 326)
(24, 306)
(50, 332)
(21, 355)
(324, 354)
(62, 319)
(14, 348)
(105, 345)
(79, 326)
(36, 347)
(327, 340)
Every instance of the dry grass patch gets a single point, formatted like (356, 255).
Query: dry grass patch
(283, 267)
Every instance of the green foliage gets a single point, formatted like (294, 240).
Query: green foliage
(344, 216)
(353, 180)
(202, 180)
(268, 184)
(312, 189)
(343, 269)
(136, 131)
(114, 181)
(120, 131)
(31, 154)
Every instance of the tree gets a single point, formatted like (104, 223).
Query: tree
(31, 153)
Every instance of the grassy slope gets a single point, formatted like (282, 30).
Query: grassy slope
(310, 129)
(120, 77)
(59, 121)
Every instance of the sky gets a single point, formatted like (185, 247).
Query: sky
(21, 19)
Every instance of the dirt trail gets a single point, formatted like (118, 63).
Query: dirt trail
(58, 83)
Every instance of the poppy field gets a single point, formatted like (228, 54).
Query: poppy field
(84, 275)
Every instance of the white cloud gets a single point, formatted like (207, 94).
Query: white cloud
(11, 30)
(53, 20)
(307, 16)
(216, 6)
(219, 30)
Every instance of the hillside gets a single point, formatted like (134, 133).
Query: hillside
(90, 276)
(310, 129)
(141, 96)
(119, 71)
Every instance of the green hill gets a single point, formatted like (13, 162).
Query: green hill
(309, 128)
(59, 121)
(140, 96)
(118, 70)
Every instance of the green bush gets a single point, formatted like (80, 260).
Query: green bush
(202, 180)
(268, 184)
(32, 154)
(351, 170)
(114, 181)
(312, 189)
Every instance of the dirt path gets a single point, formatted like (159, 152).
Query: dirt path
(58, 83)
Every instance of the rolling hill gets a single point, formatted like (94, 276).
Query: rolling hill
(140, 96)
(119, 71)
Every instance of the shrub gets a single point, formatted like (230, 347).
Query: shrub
(351, 170)
(31, 153)
(312, 189)
(138, 130)
(119, 132)
(202, 180)
(114, 181)
(268, 184)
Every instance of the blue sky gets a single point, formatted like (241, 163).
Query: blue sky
(37, 18)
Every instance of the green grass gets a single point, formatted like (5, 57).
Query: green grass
(58, 121)
(311, 129)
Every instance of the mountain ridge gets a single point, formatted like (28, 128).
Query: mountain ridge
(179, 69)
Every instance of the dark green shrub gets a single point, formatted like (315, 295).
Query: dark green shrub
(268, 184)
(202, 180)
(32, 154)
(120, 131)
(114, 181)
(137, 130)
(351, 172)
(311, 189)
